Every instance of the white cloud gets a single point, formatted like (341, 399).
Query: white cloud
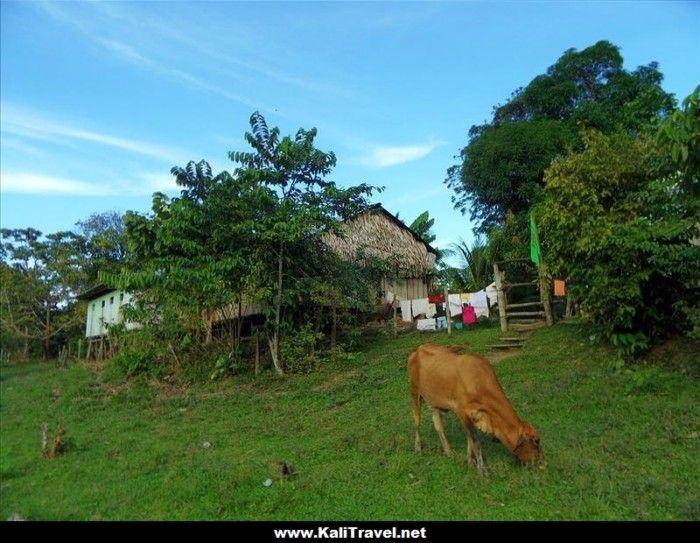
(157, 182)
(385, 156)
(29, 183)
(23, 122)
(138, 184)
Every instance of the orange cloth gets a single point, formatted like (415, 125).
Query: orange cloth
(559, 287)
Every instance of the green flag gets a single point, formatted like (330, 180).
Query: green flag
(535, 255)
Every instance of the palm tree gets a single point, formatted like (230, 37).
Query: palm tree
(475, 269)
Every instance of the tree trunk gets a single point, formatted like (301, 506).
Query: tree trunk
(239, 322)
(544, 294)
(334, 327)
(47, 332)
(25, 347)
(274, 341)
(317, 328)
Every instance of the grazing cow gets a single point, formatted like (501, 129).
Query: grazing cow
(467, 385)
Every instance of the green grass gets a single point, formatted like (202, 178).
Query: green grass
(619, 445)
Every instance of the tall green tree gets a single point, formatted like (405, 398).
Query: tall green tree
(255, 232)
(307, 204)
(41, 276)
(105, 242)
(501, 169)
(193, 254)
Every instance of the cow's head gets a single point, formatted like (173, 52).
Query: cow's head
(527, 448)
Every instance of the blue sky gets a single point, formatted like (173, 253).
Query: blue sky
(100, 99)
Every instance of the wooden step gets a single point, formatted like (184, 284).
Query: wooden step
(520, 339)
(504, 346)
(525, 314)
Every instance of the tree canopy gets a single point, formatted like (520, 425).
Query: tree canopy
(501, 168)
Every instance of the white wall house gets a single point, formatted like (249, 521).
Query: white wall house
(104, 309)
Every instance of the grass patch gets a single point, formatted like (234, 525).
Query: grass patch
(617, 448)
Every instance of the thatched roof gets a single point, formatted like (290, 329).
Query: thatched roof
(378, 233)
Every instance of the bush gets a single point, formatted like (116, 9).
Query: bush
(619, 225)
(299, 350)
(135, 363)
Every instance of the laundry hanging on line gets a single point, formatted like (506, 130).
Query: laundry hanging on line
(406, 311)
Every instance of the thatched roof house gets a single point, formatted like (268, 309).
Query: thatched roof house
(376, 232)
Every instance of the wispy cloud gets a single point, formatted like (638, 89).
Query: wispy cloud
(385, 156)
(29, 183)
(29, 124)
(130, 54)
(136, 184)
(16, 144)
(167, 32)
(218, 47)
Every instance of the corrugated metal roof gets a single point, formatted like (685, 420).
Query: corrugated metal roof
(95, 292)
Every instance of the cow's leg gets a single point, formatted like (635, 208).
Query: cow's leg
(473, 446)
(440, 429)
(415, 396)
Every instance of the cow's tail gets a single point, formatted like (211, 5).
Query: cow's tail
(413, 370)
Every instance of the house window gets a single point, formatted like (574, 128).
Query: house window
(111, 300)
(93, 307)
(121, 297)
(103, 303)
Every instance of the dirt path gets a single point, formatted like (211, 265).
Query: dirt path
(497, 356)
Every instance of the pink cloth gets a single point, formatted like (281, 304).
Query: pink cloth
(468, 314)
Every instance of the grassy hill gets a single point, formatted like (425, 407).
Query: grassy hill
(619, 445)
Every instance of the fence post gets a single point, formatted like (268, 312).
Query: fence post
(447, 311)
(544, 294)
(501, 295)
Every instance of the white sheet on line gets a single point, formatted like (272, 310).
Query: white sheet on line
(419, 306)
(406, 311)
(455, 302)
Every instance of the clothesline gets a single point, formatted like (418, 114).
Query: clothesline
(434, 306)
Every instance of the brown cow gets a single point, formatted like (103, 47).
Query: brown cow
(467, 385)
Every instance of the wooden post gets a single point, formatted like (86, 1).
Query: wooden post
(448, 316)
(544, 294)
(80, 348)
(501, 295)
(393, 304)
